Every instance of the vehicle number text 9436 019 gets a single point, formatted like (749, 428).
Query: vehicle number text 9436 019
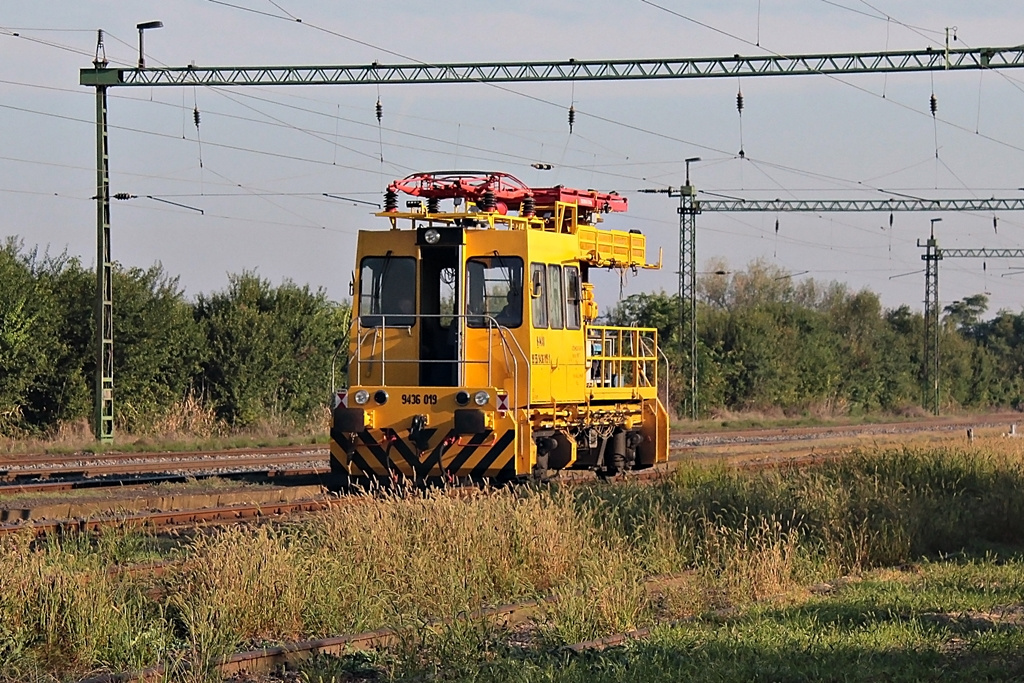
(419, 399)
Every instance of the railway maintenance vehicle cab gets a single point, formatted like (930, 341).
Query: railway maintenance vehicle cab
(474, 349)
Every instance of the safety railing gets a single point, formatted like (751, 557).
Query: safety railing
(371, 349)
(622, 357)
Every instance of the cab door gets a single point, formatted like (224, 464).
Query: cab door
(384, 348)
(494, 321)
(439, 327)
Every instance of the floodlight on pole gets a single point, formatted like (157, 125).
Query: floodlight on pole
(689, 161)
(143, 27)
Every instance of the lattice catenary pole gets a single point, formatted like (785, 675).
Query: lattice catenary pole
(102, 77)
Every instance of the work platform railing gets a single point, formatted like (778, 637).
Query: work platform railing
(371, 350)
(622, 357)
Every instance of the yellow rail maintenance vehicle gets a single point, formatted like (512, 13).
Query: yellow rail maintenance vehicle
(473, 351)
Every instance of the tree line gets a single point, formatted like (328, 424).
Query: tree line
(769, 343)
(250, 353)
(255, 352)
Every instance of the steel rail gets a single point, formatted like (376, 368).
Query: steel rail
(744, 461)
(140, 481)
(266, 660)
(166, 518)
(151, 466)
(562, 70)
(46, 458)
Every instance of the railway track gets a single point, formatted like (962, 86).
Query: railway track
(170, 518)
(140, 481)
(681, 441)
(261, 661)
(51, 474)
(39, 475)
(46, 467)
(289, 655)
(82, 466)
(53, 460)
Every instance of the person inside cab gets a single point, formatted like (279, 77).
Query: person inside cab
(512, 314)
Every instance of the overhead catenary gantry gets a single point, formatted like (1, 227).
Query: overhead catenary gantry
(690, 207)
(102, 77)
(566, 70)
(933, 254)
(845, 205)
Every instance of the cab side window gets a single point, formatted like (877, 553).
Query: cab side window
(539, 294)
(556, 302)
(572, 298)
(494, 289)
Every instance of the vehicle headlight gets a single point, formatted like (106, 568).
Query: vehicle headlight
(380, 396)
(361, 397)
(462, 398)
(432, 236)
(481, 398)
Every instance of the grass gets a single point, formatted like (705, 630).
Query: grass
(943, 620)
(752, 543)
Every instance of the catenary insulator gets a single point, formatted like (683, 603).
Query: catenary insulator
(488, 203)
(995, 224)
(390, 200)
(739, 101)
(572, 117)
(529, 207)
(933, 104)
(890, 220)
(195, 116)
(380, 111)
(776, 226)
(433, 204)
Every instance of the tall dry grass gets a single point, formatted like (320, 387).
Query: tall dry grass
(187, 425)
(60, 610)
(402, 561)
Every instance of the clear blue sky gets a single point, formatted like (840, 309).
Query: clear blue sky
(274, 151)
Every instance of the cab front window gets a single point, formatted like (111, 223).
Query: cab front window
(387, 291)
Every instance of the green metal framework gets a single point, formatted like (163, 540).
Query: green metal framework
(829, 205)
(933, 254)
(566, 70)
(104, 404)
(982, 253)
(688, 210)
(930, 365)
(102, 77)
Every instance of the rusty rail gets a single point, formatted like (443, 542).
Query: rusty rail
(139, 481)
(152, 466)
(191, 517)
(266, 660)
